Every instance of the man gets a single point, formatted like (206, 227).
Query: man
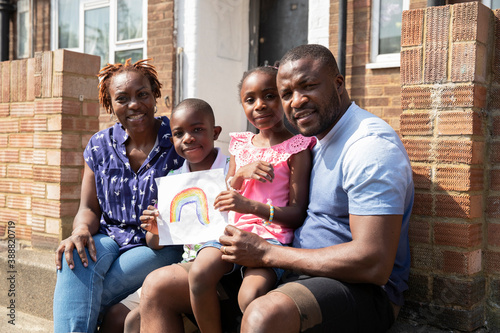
(350, 259)
(351, 255)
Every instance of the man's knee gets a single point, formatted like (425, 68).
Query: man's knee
(274, 311)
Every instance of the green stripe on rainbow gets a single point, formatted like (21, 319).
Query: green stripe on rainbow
(189, 196)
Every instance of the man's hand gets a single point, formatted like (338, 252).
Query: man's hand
(244, 248)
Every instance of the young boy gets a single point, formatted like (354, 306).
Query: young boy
(193, 134)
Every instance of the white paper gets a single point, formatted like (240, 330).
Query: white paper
(186, 206)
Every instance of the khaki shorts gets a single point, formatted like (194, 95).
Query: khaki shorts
(132, 300)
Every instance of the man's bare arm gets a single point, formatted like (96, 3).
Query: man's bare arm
(368, 258)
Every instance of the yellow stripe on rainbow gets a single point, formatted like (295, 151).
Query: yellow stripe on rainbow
(189, 196)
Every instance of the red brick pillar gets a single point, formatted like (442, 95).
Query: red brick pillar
(492, 252)
(48, 110)
(444, 126)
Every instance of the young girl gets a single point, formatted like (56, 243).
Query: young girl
(268, 183)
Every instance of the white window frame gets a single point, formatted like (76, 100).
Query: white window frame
(114, 44)
(377, 60)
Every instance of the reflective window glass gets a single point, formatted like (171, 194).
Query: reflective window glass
(121, 56)
(68, 23)
(23, 28)
(129, 19)
(390, 26)
(96, 32)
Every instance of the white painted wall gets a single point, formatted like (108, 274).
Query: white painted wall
(318, 22)
(215, 41)
(214, 38)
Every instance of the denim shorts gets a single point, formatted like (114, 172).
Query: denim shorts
(278, 271)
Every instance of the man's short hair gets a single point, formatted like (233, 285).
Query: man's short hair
(313, 51)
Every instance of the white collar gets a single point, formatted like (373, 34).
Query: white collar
(219, 163)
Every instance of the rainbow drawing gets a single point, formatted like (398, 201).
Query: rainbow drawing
(188, 196)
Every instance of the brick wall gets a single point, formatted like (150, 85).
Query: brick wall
(379, 89)
(160, 47)
(448, 129)
(48, 111)
(42, 26)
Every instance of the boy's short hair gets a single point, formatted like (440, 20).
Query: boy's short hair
(198, 105)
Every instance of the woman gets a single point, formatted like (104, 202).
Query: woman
(112, 258)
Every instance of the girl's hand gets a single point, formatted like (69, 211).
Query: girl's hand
(232, 200)
(148, 220)
(79, 239)
(258, 170)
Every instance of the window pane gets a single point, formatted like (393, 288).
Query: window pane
(96, 33)
(129, 19)
(390, 26)
(495, 4)
(68, 23)
(23, 26)
(121, 56)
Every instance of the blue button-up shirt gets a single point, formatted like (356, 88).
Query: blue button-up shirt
(122, 193)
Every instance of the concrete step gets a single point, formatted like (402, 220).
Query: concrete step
(27, 282)
(26, 323)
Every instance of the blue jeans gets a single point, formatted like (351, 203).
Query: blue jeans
(82, 293)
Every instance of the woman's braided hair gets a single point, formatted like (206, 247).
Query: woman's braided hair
(141, 66)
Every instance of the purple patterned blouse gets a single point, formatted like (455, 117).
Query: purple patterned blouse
(122, 193)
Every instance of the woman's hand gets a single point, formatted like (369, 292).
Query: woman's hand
(79, 239)
(148, 220)
(85, 224)
(232, 200)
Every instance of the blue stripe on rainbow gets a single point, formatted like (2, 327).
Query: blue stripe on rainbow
(188, 196)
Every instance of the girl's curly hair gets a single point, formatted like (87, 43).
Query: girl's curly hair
(141, 66)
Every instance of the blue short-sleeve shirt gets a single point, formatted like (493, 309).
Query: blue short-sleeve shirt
(359, 168)
(122, 193)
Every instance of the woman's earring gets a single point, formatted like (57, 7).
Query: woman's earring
(156, 109)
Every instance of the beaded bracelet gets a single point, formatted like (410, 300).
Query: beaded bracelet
(271, 216)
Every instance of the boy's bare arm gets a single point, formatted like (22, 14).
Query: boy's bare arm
(148, 223)
(153, 241)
